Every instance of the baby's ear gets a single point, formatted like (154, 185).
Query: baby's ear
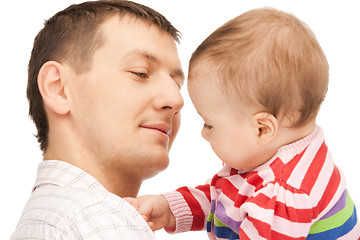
(51, 86)
(267, 127)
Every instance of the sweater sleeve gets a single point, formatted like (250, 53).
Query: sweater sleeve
(277, 211)
(190, 206)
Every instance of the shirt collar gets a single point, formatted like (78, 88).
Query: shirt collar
(60, 173)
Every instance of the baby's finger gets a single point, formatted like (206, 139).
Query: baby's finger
(133, 202)
(146, 218)
(145, 208)
(152, 226)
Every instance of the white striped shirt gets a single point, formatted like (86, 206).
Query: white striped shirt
(68, 203)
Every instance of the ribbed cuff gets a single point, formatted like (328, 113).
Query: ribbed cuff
(181, 211)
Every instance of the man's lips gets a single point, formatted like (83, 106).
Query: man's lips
(162, 127)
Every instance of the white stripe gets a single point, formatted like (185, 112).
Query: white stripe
(322, 180)
(267, 175)
(250, 230)
(319, 188)
(241, 184)
(278, 224)
(231, 210)
(204, 202)
(286, 197)
(299, 172)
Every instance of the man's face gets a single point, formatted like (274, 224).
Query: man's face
(126, 108)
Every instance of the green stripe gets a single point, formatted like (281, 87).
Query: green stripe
(336, 220)
(219, 223)
(210, 217)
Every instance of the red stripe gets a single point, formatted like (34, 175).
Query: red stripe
(283, 171)
(253, 179)
(263, 228)
(240, 200)
(277, 167)
(313, 171)
(196, 210)
(282, 210)
(330, 191)
(227, 188)
(243, 235)
(214, 179)
(290, 166)
(277, 235)
(234, 171)
(265, 231)
(206, 190)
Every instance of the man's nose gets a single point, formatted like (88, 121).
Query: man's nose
(169, 96)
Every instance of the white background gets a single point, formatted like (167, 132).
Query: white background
(335, 23)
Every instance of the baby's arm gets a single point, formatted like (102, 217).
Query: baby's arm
(155, 210)
(183, 210)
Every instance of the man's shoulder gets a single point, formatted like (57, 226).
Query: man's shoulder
(55, 212)
(62, 207)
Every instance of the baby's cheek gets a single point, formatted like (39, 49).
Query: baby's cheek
(225, 152)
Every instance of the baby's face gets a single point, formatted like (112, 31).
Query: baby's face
(233, 137)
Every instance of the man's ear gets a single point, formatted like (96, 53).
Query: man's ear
(267, 127)
(51, 85)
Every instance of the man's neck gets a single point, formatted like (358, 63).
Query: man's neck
(116, 182)
(120, 183)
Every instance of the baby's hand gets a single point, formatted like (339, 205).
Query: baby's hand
(155, 210)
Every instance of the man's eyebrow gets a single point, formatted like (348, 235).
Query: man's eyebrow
(143, 54)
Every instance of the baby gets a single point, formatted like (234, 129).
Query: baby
(258, 82)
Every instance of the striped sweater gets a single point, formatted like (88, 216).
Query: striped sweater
(297, 194)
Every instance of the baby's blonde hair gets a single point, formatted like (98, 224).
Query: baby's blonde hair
(267, 58)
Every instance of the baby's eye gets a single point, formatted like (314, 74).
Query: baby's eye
(207, 126)
(140, 74)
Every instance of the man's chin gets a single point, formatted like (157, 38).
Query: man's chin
(155, 166)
